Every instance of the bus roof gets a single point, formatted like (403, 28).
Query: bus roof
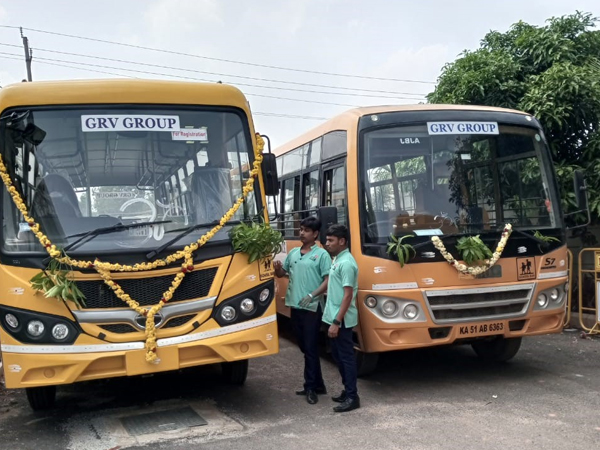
(345, 119)
(71, 92)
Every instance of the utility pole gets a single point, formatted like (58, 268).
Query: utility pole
(28, 54)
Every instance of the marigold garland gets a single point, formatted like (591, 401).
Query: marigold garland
(104, 269)
(476, 270)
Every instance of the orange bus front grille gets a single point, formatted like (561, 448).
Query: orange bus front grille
(148, 291)
(464, 305)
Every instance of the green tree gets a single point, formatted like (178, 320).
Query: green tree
(552, 72)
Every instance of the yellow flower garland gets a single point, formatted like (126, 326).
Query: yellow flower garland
(476, 270)
(104, 269)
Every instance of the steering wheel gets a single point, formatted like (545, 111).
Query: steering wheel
(373, 229)
(149, 216)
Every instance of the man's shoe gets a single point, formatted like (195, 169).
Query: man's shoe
(319, 391)
(348, 405)
(311, 397)
(340, 398)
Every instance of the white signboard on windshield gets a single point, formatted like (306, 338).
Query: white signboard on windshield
(129, 122)
(434, 128)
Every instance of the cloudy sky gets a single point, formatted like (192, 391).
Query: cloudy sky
(298, 62)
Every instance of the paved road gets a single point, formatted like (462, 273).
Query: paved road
(548, 397)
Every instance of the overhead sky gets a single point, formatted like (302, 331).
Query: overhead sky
(228, 40)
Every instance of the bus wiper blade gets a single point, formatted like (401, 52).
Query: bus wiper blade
(106, 230)
(185, 232)
(530, 236)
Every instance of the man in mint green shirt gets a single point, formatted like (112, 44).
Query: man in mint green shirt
(341, 314)
(308, 269)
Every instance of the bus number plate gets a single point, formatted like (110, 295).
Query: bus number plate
(483, 329)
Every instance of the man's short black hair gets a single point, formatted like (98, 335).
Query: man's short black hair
(339, 231)
(312, 223)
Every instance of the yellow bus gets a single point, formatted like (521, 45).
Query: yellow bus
(435, 177)
(118, 201)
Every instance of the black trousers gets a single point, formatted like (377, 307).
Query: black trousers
(342, 350)
(306, 326)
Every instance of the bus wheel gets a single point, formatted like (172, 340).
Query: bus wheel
(498, 349)
(235, 372)
(366, 363)
(41, 398)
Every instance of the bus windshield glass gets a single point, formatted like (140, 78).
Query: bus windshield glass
(422, 184)
(82, 170)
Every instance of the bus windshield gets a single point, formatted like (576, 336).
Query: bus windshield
(96, 168)
(422, 184)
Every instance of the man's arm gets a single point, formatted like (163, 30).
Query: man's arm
(279, 270)
(322, 288)
(308, 299)
(346, 300)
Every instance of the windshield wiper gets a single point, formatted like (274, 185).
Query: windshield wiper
(106, 230)
(185, 232)
(530, 236)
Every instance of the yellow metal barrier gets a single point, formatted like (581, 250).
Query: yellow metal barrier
(595, 270)
(570, 290)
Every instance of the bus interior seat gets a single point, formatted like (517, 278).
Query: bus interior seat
(211, 193)
(55, 195)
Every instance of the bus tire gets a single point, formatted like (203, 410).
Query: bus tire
(235, 372)
(366, 363)
(497, 350)
(41, 398)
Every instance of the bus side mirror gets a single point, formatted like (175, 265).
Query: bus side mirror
(269, 174)
(328, 216)
(580, 189)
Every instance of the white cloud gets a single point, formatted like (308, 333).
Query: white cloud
(166, 16)
(423, 64)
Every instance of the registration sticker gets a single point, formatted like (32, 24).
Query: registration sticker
(190, 134)
(484, 329)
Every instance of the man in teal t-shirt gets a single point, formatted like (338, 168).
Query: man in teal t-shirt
(341, 314)
(308, 269)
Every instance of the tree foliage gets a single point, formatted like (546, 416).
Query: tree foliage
(552, 72)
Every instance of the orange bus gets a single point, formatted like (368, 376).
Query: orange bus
(443, 181)
(118, 199)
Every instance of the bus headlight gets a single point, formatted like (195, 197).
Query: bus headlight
(371, 302)
(411, 311)
(35, 328)
(60, 332)
(228, 313)
(247, 305)
(389, 308)
(264, 295)
(11, 320)
(554, 295)
(542, 300)
(32, 327)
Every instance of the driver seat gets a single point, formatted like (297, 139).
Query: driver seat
(55, 195)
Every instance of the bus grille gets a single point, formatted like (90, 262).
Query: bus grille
(466, 305)
(147, 291)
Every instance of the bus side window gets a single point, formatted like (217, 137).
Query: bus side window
(310, 201)
(291, 206)
(335, 191)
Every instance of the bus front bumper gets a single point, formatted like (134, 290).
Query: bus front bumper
(43, 365)
(383, 337)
